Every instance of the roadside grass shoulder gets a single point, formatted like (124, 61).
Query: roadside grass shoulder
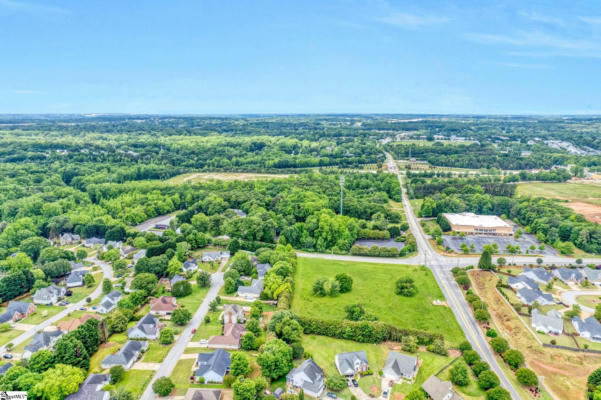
(135, 381)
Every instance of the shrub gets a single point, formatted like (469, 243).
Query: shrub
(163, 386)
(465, 346)
(481, 315)
(116, 373)
(336, 382)
(499, 345)
(405, 286)
(498, 393)
(459, 375)
(488, 380)
(514, 358)
(345, 282)
(470, 357)
(479, 367)
(438, 347)
(228, 380)
(166, 336)
(409, 344)
(491, 333)
(416, 394)
(526, 377)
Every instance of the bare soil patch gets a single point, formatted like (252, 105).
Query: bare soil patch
(591, 212)
(565, 372)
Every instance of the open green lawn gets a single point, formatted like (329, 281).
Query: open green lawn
(589, 300)
(42, 314)
(107, 349)
(374, 286)
(156, 352)
(181, 377)
(80, 293)
(206, 330)
(587, 193)
(7, 336)
(192, 301)
(430, 364)
(21, 348)
(135, 381)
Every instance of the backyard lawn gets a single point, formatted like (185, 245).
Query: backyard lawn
(471, 391)
(156, 352)
(416, 312)
(135, 381)
(42, 314)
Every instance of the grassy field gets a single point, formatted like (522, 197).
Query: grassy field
(589, 301)
(135, 381)
(587, 193)
(194, 177)
(156, 352)
(374, 286)
(206, 330)
(42, 314)
(80, 293)
(7, 336)
(471, 391)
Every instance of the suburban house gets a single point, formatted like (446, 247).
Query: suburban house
(262, 270)
(309, 377)
(589, 328)
(568, 275)
(210, 256)
(253, 291)
(531, 296)
(49, 295)
(109, 302)
(521, 281)
(148, 327)
(76, 265)
(230, 339)
(212, 367)
(175, 279)
(232, 314)
(539, 275)
(91, 388)
(113, 244)
(17, 310)
(591, 275)
(349, 364)
(190, 266)
(126, 356)
(127, 250)
(440, 390)
(163, 306)
(4, 368)
(400, 367)
(68, 238)
(552, 322)
(139, 254)
(203, 394)
(93, 241)
(472, 224)
(75, 278)
(41, 341)
(72, 324)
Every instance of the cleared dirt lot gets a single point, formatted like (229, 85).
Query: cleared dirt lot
(225, 176)
(591, 212)
(564, 372)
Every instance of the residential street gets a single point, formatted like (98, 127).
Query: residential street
(569, 297)
(107, 270)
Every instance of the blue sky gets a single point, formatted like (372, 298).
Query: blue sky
(208, 57)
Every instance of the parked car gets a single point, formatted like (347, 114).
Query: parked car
(385, 394)
(8, 356)
(82, 309)
(332, 395)
(355, 383)
(193, 331)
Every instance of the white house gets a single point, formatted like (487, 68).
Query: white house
(550, 323)
(68, 238)
(49, 295)
(148, 327)
(126, 356)
(400, 367)
(349, 364)
(109, 302)
(309, 377)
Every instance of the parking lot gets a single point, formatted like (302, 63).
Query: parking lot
(478, 242)
(380, 243)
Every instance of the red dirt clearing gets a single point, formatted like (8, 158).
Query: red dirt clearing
(591, 212)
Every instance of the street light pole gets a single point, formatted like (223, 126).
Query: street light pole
(341, 187)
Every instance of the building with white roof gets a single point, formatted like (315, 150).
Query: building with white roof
(473, 224)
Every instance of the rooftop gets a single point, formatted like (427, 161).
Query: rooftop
(484, 221)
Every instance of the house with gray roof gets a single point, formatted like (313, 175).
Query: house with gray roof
(91, 388)
(550, 323)
(309, 377)
(49, 295)
(68, 238)
(531, 296)
(210, 256)
(113, 244)
(138, 255)
(109, 302)
(17, 310)
(439, 390)
(568, 275)
(190, 266)
(127, 250)
(232, 314)
(349, 364)
(126, 356)
(262, 269)
(588, 328)
(5, 368)
(175, 279)
(42, 341)
(400, 367)
(591, 275)
(521, 281)
(203, 394)
(253, 291)
(75, 278)
(76, 265)
(212, 367)
(539, 274)
(93, 241)
(148, 327)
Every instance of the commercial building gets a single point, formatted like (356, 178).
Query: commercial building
(472, 224)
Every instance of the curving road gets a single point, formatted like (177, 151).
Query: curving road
(107, 270)
(569, 297)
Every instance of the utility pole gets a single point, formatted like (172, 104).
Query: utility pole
(341, 189)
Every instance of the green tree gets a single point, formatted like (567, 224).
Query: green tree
(416, 394)
(203, 279)
(410, 344)
(174, 267)
(116, 373)
(488, 380)
(459, 375)
(81, 254)
(405, 286)
(256, 309)
(107, 286)
(470, 357)
(121, 394)
(526, 377)
(117, 322)
(70, 351)
(244, 389)
(239, 365)
(230, 286)
(485, 262)
(514, 358)
(253, 327)
(166, 336)
(163, 386)
(41, 361)
(336, 382)
(289, 330)
(144, 281)
(59, 382)
(345, 281)
(499, 345)
(181, 289)
(498, 393)
(181, 316)
(275, 359)
(20, 262)
(248, 342)
(88, 279)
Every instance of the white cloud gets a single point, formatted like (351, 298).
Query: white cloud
(413, 21)
(31, 7)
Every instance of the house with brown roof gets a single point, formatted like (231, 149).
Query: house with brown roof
(230, 339)
(75, 323)
(163, 306)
